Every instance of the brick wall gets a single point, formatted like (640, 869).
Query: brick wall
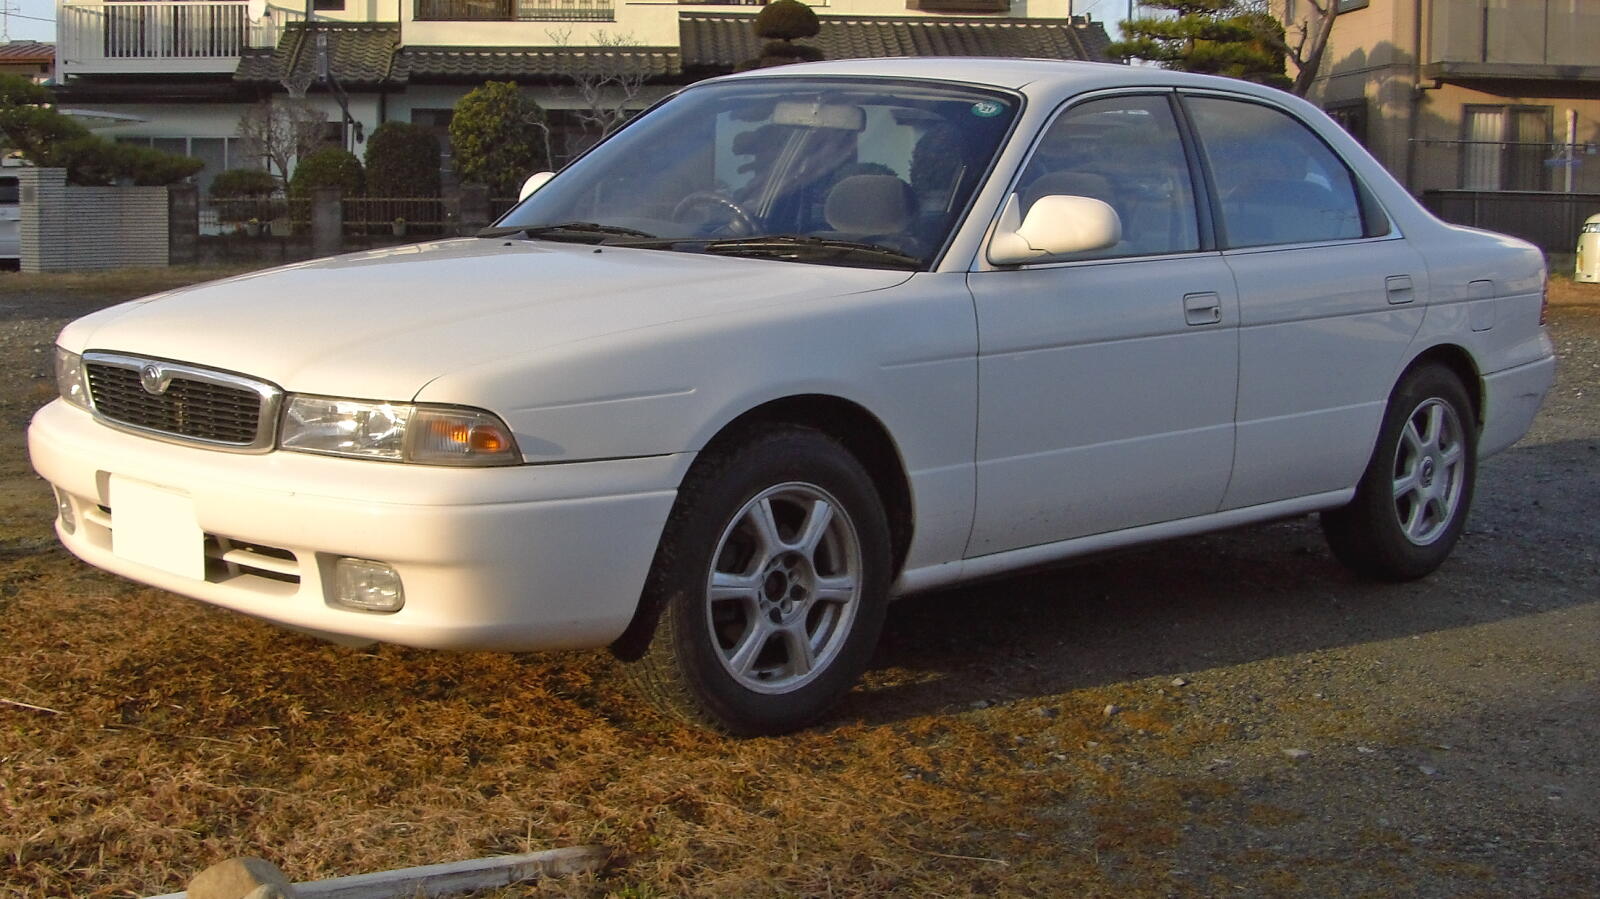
(70, 228)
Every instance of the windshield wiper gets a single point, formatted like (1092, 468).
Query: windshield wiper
(792, 246)
(592, 232)
(784, 246)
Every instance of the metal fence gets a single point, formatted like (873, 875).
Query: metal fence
(1549, 220)
(400, 216)
(515, 11)
(253, 215)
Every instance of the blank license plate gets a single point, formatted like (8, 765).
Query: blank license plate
(156, 527)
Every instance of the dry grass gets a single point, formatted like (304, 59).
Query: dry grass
(1566, 292)
(197, 735)
(116, 283)
(177, 735)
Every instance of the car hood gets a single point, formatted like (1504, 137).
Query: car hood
(382, 324)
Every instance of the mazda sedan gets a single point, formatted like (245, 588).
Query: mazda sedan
(798, 341)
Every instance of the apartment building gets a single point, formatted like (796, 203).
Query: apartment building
(186, 70)
(1473, 95)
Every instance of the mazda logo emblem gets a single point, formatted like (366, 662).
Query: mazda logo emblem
(153, 379)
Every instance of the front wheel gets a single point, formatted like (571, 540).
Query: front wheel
(1412, 502)
(772, 580)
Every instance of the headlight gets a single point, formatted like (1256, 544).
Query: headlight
(70, 381)
(397, 432)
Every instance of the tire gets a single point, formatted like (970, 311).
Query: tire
(1411, 504)
(772, 578)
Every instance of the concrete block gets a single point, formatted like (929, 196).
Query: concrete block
(241, 878)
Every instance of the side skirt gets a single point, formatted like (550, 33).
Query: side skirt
(932, 577)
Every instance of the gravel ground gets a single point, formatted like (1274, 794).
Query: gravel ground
(1275, 726)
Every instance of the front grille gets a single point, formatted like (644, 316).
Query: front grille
(196, 404)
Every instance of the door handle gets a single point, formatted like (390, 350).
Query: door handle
(1398, 287)
(1202, 308)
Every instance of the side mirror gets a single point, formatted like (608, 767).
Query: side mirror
(534, 182)
(1056, 226)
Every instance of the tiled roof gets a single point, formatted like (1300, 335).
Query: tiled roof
(27, 51)
(359, 53)
(721, 40)
(426, 62)
(370, 53)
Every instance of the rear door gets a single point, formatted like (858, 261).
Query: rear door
(1329, 299)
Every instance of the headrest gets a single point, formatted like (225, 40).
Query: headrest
(870, 204)
(1070, 184)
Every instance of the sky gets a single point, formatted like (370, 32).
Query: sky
(30, 29)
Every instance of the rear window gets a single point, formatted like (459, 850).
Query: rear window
(9, 194)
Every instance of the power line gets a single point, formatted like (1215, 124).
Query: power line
(17, 15)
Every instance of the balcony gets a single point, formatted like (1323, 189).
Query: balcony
(187, 37)
(515, 11)
(1537, 39)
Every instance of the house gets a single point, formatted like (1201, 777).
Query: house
(1486, 95)
(34, 60)
(1487, 109)
(189, 70)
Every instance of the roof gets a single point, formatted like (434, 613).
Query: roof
(14, 52)
(724, 40)
(440, 63)
(369, 53)
(359, 53)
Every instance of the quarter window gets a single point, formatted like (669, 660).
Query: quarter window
(1276, 181)
(1125, 151)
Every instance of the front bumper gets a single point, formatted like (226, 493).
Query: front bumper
(528, 557)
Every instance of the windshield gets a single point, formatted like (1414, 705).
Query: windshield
(868, 172)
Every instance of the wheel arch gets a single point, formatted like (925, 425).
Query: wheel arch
(1460, 362)
(862, 434)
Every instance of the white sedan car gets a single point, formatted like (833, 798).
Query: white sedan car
(797, 341)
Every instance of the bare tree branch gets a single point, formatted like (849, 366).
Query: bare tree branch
(278, 131)
(603, 80)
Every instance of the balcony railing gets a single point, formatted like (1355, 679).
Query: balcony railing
(185, 36)
(515, 10)
(1494, 37)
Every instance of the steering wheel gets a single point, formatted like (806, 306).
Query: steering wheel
(739, 222)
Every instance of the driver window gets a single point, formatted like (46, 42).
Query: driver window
(1126, 152)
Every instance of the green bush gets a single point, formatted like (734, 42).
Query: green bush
(237, 184)
(786, 20)
(402, 161)
(499, 138)
(328, 167)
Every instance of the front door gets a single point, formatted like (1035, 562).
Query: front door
(1106, 383)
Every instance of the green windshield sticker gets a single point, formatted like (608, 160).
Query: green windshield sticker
(987, 109)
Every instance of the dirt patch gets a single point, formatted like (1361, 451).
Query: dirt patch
(1026, 737)
(1566, 292)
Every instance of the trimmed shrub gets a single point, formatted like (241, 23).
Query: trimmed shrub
(238, 184)
(499, 138)
(779, 23)
(785, 20)
(402, 161)
(328, 167)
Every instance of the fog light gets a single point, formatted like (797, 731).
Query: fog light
(69, 523)
(367, 586)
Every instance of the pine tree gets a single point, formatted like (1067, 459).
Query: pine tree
(1216, 37)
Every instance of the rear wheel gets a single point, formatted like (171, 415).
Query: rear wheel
(1412, 502)
(772, 578)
